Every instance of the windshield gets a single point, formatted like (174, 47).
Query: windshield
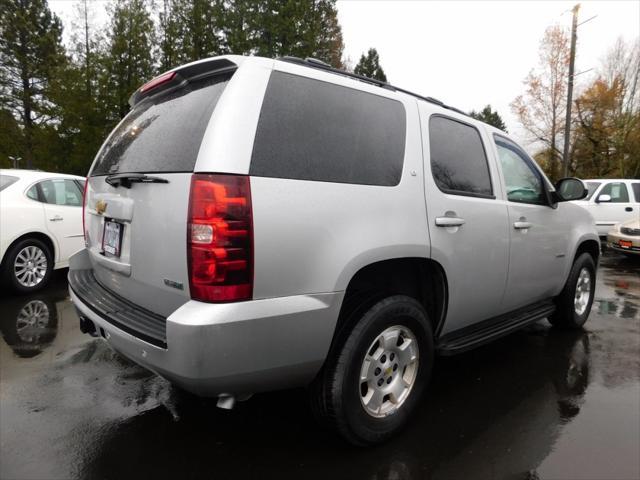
(592, 187)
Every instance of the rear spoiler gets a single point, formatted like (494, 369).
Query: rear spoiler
(179, 77)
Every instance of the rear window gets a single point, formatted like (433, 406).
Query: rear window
(636, 191)
(314, 130)
(6, 180)
(162, 133)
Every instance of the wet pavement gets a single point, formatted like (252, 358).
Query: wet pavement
(539, 404)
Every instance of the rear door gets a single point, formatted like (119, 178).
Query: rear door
(468, 224)
(63, 214)
(137, 231)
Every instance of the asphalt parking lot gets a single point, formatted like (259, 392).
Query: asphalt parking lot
(540, 404)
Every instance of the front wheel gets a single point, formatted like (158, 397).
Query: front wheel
(375, 378)
(573, 305)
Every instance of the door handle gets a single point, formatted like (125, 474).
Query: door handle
(57, 218)
(521, 225)
(628, 209)
(449, 222)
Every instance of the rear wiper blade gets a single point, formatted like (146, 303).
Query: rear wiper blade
(126, 179)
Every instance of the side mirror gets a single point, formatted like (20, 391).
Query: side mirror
(603, 198)
(570, 188)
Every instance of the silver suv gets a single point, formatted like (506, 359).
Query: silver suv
(258, 224)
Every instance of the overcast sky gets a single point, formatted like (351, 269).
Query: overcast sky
(467, 54)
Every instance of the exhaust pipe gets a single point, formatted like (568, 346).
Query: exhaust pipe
(226, 401)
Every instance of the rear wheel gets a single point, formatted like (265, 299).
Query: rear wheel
(28, 265)
(573, 305)
(377, 373)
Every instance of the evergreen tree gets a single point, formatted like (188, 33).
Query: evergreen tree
(167, 36)
(489, 116)
(128, 62)
(369, 66)
(83, 125)
(194, 29)
(31, 54)
(298, 28)
(190, 30)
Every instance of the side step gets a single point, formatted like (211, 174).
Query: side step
(488, 330)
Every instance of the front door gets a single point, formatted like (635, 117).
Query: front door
(539, 238)
(468, 225)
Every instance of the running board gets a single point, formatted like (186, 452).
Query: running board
(488, 330)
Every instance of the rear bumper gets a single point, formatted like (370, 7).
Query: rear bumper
(233, 348)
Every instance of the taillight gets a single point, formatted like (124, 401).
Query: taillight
(84, 208)
(220, 238)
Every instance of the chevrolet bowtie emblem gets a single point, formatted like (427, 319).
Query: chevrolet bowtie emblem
(101, 206)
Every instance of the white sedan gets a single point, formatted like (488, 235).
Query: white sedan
(40, 225)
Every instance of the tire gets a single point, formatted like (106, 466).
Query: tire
(572, 312)
(21, 252)
(338, 395)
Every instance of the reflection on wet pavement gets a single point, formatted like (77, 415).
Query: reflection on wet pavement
(538, 404)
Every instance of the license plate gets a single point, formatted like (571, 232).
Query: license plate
(112, 238)
(625, 244)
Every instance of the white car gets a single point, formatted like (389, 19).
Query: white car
(40, 225)
(612, 201)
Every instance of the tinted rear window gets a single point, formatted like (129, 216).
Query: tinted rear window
(163, 133)
(6, 180)
(458, 160)
(314, 130)
(636, 191)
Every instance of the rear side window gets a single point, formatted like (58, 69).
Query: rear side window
(61, 192)
(314, 130)
(6, 180)
(32, 193)
(163, 133)
(617, 191)
(458, 160)
(636, 191)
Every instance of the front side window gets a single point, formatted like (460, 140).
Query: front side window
(458, 160)
(617, 191)
(522, 180)
(61, 192)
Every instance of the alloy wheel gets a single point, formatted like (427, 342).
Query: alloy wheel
(389, 371)
(30, 266)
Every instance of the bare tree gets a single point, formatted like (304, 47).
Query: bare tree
(542, 107)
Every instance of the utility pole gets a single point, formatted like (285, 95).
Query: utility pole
(572, 61)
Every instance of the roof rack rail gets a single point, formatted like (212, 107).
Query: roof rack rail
(319, 64)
